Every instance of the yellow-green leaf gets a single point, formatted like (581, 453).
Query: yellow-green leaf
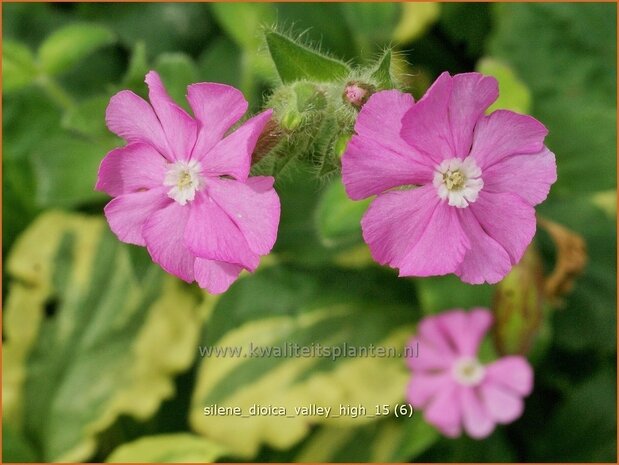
(89, 337)
(388, 440)
(69, 45)
(416, 18)
(167, 448)
(18, 66)
(328, 307)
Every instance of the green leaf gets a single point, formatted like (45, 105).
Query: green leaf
(415, 20)
(446, 292)
(18, 202)
(177, 71)
(513, 93)
(389, 440)
(416, 437)
(329, 307)
(65, 169)
(138, 66)
(338, 218)
(15, 448)
(495, 448)
(334, 35)
(596, 289)
(296, 62)
(164, 28)
(467, 25)
(167, 448)
(18, 66)
(566, 54)
(28, 120)
(371, 23)
(519, 308)
(31, 23)
(86, 341)
(584, 427)
(221, 51)
(69, 45)
(298, 238)
(382, 73)
(87, 118)
(242, 21)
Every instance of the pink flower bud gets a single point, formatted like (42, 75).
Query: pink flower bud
(357, 93)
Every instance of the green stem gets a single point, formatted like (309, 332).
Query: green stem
(56, 93)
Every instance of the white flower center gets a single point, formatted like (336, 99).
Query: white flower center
(468, 371)
(185, 179)
(458, 181)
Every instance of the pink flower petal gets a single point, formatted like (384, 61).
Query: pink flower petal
(214, 276)
(381, 118)
(503, 405)
(413, 231)
(472, 94)
(423, 387)
(137, 166)
(426, 125)
(163, 232)
(465, 330)
(441, 124)
(211, 234)
(480, 320)
(394, 218)
(368, 168)
(477, 421)
(232, 155)
(453, 324)
(511, 372)
(253, 207)
(440, 248)
(444, 411)
(180, 128)
(133, 119)
(508, 219)
(431, 357)
(529, 176)
(127, 213)
(432, 333)
(505, 133)
(377, 159)
(216, 107)
(486, 261)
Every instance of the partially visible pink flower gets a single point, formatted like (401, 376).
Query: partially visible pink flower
(453, 388)
(182, 185)
(456, 189)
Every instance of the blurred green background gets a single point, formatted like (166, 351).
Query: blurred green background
(101, 357)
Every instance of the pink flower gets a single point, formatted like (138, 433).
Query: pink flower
(454, 389)
(478, 179)
(181, 184)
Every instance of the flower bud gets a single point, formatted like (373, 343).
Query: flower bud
(518, 306)
(269, 138)
(291, 120)
(357, 93)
